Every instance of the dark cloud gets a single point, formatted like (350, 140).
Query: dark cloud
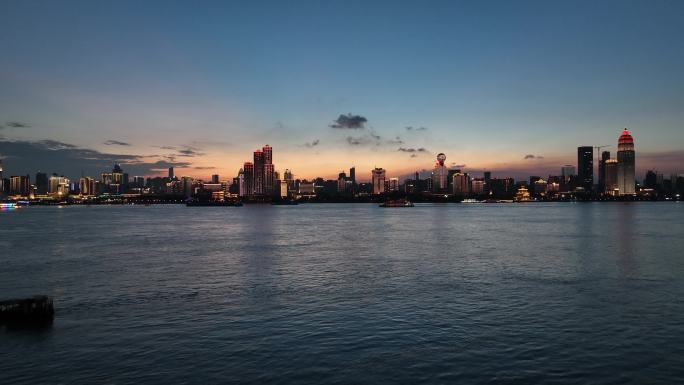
(112, 142)
(411, 128)
(413, 156)
(189, 152)
(17, 125)
(27, 157)
(312, 144)
(396, 140)
(530, 156)
(349, 121)
(367, 139)
(357, 141)
(166, 147)
(412, 150)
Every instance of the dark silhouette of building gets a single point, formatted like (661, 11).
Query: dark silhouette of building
(605, 155)
(585, 167)
(41, 183)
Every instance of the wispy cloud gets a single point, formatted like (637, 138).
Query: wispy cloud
(411, 128)
(313, 143)
(112, 142)
(17, 125)
(349, 121)
(412, 150)
(396, 140)
(370, 138)
(531, 156)
(190, 152)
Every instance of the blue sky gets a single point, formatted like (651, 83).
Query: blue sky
(202, 84)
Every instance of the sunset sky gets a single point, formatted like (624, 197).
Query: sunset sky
(513, 87)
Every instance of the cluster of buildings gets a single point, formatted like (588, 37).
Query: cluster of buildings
(258, 180)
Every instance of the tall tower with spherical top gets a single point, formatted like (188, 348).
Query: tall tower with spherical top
(439, 175)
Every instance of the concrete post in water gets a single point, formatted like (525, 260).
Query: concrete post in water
(36, 310)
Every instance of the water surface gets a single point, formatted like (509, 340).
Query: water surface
(554, 293)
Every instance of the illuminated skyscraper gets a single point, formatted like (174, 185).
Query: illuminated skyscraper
(610, 185)
(258, 188)
(264, 172)
(393, 184)
(585, 167)
(460, 184)
(86, 186)
(247, 185)
(378, 179)
(626, 164)
(20, 185)
(439, 174)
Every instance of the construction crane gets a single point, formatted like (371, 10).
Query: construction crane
(598, 150)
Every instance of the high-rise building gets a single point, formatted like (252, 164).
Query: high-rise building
(258, 172)
(478, 186)
(378, 180)
(352, 175)
(585, 167)
(610, 185)
(567, 172)
(488, 181)
(86, 186)
(341, 182)
(58, 185)
(139, 181)
(439, 175)
(282, 188)
(268, 154)
(269, 179)
(187, 188)
(20, 185)
(626, 164)
(41, 183)
(247, 185)
(460, 184)
(170, 172)
(605, 155)
(215, 179)
(393, 184)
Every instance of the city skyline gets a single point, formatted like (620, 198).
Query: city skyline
(83, 86)
(259, 181)
(403, 173)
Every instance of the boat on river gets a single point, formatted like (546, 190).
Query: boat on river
(397, 203)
